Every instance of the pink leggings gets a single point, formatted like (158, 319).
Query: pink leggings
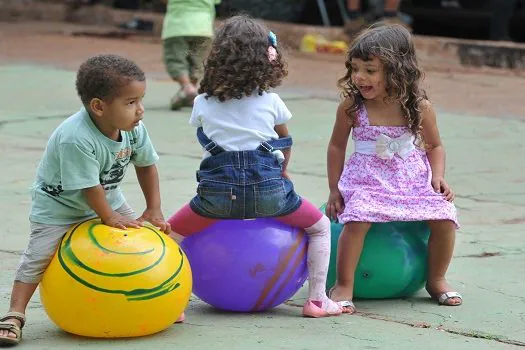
(186, 222)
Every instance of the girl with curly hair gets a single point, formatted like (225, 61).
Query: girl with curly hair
(397, 170)
(242, 128)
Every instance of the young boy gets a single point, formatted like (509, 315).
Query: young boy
(81, 170)
(187, 33)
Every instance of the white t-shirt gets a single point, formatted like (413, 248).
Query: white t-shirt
(240, 125)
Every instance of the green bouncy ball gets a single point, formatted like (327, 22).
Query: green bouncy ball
(393, 262)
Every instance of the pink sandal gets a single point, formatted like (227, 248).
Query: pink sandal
(313, 308)
(181, 318)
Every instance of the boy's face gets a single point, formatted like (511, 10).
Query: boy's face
(123, 112)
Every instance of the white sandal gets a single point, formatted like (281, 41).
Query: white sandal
(443, 297)
(343, 304)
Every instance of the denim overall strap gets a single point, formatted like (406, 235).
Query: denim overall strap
(243, 184)
(273, 145)
(208, 144)
(268, 146)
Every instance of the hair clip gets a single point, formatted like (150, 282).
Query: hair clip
(272, 53)
(272, 38)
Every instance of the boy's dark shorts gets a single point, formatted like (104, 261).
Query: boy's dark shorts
(185, 55)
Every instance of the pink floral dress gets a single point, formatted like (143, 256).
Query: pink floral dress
(387, 178)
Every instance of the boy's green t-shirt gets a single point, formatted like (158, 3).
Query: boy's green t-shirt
(189, 18)
(79, 156)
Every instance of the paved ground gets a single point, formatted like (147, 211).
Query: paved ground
(482, 124)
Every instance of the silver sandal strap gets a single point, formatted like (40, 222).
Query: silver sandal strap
(448, 295)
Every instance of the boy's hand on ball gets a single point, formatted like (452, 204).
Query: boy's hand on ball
(155, 217)
(118, 221)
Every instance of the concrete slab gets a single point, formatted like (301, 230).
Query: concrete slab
(484, 166)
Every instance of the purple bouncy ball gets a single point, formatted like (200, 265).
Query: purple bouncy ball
(247, 265)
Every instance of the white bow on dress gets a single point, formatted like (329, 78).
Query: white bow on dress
(387, 147)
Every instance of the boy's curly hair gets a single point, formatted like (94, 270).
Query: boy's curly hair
(102, 77)
(392, 45)
(238, 63)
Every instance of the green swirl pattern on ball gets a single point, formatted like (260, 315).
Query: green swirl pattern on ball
(65, 252)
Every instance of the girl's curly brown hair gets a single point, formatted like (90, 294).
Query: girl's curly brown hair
(238, 63)
(392, 45)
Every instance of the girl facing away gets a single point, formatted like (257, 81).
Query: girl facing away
(397, 170)
(242, 128)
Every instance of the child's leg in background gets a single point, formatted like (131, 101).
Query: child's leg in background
(186, 222)
(176, 60)
(391, 8)
(356, 20)
(349, 250)
(354, 7)
(317, 227)
(199, 49)
(440, 250)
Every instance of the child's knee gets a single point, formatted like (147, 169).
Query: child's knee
(43, 243)
(442, 227)
(32, 267)
(359, 229)
(127, 211)
(320, 228)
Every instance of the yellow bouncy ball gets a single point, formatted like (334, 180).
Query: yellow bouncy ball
(107, 283)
